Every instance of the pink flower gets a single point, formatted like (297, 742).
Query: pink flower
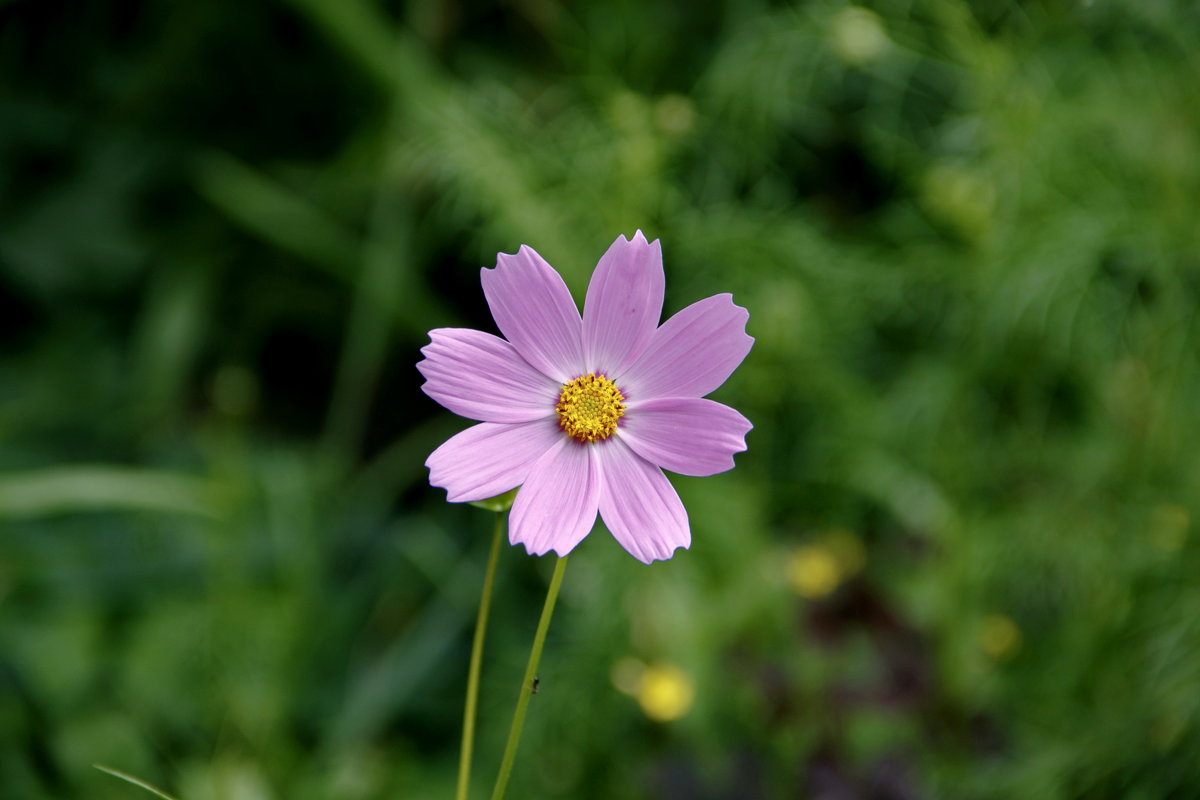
(585, 414)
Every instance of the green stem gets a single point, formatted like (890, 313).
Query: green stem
(535, 655)
(485, 602)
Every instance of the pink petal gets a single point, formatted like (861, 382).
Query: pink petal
(639, 505)
(480, 376)
(687, 435)
(556, 506)
(534, 311)
(692, 353)
(623, 304)
(489, 458)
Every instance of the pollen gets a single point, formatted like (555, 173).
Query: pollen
(589, 407)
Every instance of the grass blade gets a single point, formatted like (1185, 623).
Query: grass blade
(116, 773)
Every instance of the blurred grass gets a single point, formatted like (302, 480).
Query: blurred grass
(957, 560)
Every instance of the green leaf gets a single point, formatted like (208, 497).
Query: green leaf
(100, 487)
(263, 206)
(501, 502)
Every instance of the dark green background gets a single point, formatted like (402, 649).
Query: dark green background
(967, 237)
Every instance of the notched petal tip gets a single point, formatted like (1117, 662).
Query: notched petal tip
(666, 555)
(543, 547)
(525, 257)
(538, 552)
(640, 238)
(530, 549)
(738, 314)
(427, 350)
(638, 242)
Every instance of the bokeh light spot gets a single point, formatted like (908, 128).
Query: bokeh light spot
(999, 637)
(858, 36)
(813, 572)
(627, 675)
(665, 692)
(1169, 527)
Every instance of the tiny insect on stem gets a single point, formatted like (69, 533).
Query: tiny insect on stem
(533, 687)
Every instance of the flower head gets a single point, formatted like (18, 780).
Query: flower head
(584, 414)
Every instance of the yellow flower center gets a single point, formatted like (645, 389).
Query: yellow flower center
(589, 407)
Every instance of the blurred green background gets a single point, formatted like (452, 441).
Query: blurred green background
(956, 561)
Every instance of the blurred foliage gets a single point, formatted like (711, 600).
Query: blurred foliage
(956, 561)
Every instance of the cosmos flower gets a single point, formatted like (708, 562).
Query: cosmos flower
(584, 414)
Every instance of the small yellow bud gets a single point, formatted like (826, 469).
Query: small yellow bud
(847, 550)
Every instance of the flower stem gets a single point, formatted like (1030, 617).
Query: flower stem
(485, 602)
(535, 655)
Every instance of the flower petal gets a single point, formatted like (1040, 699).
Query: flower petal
(556, 507)
(489, 458)
(639, 505)
(623, 305)
(481, 376)
(692, 353)
(687, 435)
(534, 310)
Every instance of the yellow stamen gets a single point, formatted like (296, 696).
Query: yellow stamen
(589, 407)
